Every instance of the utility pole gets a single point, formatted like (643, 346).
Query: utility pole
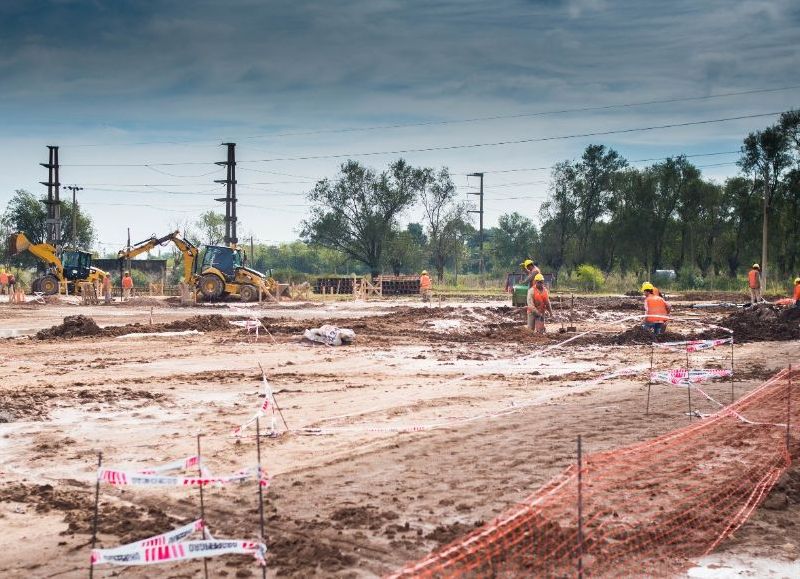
(74, 189)
(53, 201)
(252, 253)
(480, 230)
(230, 194)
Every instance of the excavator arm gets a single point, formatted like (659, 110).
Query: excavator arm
(18, 242)
(187, 248)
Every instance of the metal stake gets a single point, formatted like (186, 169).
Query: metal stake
(649, 379)
(260, 493)
(96, 509)
(788, 409)
(580, 510)
(688, 383)
(733, 396)
(202, 502)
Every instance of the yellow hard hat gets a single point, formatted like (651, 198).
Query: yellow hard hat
(526, 263)
(756, 266)
(424, 272)
(647, 286)
(538, 277)
(127, 273)
(797, 280)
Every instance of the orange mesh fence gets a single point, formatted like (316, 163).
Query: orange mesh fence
(647, 509)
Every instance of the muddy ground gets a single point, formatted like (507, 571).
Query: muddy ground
(360, 502)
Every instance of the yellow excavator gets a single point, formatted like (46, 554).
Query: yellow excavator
(222, 272)
(70, 265)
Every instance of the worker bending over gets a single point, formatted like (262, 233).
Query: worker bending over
(425, 286)
(538, 304)
(754, 281)
(656, 310)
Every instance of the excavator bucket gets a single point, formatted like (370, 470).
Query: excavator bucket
(16, 243)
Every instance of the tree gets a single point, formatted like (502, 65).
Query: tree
(515, 239)
(27, 214)
(559, 211)
(595, 174)
(765, 156)
(445, 219)
(403, 252)
(356, 213)
(211, 227)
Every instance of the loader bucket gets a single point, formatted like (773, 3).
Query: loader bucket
(16, 243)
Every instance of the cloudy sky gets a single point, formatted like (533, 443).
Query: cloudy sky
(139, 94)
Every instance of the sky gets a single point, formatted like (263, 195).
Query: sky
(139, 95)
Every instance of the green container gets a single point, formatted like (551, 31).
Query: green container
(519, 297)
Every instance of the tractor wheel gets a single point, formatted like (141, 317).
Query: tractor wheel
(48, 285)
(35, 285)
(211, 287)
(248, 293)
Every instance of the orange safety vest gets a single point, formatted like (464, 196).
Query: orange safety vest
(424, 282)
(797, 292)
(655, 309)
(752, 277)
(127, 282)
(540, 298)
(3, 278)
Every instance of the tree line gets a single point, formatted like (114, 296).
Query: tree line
(600, 211)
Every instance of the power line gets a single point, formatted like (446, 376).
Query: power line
(463, 120)
(516, 141)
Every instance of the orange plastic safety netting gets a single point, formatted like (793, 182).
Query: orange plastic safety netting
(647, 509)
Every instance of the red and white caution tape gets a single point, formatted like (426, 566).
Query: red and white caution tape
(118, 477)
(694, 345)
(123, 553)
(685, 377)
(171, 547)
(267, 407)
(182, 464)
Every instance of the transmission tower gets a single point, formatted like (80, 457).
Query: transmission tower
(53, 201)
(230, 195)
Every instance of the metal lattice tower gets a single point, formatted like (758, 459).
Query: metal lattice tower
(230, 195)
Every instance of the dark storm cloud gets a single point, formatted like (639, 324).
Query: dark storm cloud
(120, 56)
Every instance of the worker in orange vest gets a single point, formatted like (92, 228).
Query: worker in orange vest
(107, 289)
(127, 286)
(538, 304)
(797, 292)
(754, 281)
(3, 281)
(425, 286)
(656, 310)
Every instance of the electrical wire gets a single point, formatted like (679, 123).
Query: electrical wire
(452, 147)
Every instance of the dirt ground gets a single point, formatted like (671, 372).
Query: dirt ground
(359, 498)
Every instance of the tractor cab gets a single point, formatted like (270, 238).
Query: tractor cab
(77, 264)
(224, 259)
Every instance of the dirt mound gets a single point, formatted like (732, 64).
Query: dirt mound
(636, 335)
(211, 323)
(762, 323)
(73, 326)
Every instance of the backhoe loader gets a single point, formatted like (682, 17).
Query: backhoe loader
(222, 272)
(70, 265)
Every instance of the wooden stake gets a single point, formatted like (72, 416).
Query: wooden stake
(260, 493)
(580, 510)
(96, 510)
(788, 409)
(202, 503)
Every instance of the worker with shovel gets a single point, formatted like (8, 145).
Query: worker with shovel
(538, 305)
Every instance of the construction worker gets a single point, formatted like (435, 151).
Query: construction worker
(107, 289)
(425, 286)
(656, 310)
(12, 286)
(797, 292)
(127, 286)
(754, 281)
(538, 304)
(3, 281)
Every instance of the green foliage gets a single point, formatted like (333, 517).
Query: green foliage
(356, 213)
(211, 228)
(691, 278)
(589, 277)
(515, 239)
